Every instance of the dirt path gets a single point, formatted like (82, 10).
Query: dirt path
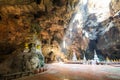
(59, 71)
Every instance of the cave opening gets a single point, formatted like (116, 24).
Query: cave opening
(87, 20)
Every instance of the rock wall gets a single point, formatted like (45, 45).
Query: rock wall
(115, 6)
(19, 22)
(48, 20)
(110, 42)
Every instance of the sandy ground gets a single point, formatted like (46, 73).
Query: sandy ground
(60, 71)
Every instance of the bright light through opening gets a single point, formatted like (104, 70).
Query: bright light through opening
(89, 13)
(100, 8)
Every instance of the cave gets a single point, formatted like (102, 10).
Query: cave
(60, 40)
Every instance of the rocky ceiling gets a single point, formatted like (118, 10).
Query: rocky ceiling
(20, 20)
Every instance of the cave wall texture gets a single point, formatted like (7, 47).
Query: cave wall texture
(21, 19)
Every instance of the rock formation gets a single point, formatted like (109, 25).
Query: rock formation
(49, 20)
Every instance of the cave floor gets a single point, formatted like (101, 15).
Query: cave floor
(60, 71)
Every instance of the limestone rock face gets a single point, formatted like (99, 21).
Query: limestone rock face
(18, 22)
(115, 6)
(49, 19)
(28, 62)
(109, 43)
(20, 63)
